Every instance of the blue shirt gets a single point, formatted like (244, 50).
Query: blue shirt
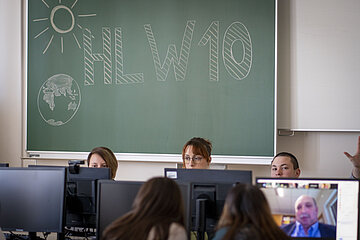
(220, 233)
(312, 232)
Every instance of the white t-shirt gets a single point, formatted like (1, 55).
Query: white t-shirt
(2, 237)
(176, 232)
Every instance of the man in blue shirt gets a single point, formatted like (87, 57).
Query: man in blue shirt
(307, 225)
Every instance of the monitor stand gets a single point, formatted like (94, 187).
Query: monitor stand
(200, 220)
(32, 236)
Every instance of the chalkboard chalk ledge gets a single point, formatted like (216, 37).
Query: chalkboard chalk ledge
(144, 157)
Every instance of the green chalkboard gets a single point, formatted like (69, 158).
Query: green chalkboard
(144, 76)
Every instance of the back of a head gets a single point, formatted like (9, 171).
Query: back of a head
(159, 196)
(157, 204)
(247, 213)
(248, 203)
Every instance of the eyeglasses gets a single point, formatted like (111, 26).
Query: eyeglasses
(196, 159)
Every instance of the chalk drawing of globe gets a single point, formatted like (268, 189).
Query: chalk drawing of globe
(59, 99)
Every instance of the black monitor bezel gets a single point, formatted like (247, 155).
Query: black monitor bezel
(317, 179)
(100, 185)
(202, 175)
(86, 174)
(83, 174)
(208, 176)
(186, 200)
(61, 226)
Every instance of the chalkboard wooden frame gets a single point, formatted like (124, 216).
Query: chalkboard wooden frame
(162, 157)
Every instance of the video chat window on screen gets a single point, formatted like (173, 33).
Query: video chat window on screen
(337, 202)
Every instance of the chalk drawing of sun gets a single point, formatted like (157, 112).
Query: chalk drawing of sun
(62, 21)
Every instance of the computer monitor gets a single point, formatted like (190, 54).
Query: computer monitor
(81, 192)
(337, 201)
(32, 199)
(81, 196)
(208, 192)
(204, 175)
(115, 198)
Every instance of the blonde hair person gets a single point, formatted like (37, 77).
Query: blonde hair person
(196, 153)
(103, 157)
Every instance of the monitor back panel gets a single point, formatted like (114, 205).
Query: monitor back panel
(208, 175)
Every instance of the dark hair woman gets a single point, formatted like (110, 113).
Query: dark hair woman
(247, 216)
(157, 214)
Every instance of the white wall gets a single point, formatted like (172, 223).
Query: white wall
(320, 153)
(10, 81)
(319, 58)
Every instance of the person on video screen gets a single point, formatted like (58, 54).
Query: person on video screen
(307, 225)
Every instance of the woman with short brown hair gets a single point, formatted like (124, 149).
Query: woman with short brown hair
(102, 157)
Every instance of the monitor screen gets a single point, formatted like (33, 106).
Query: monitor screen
(208, 192)
(32, 200)
(115, 198)
(335, 210)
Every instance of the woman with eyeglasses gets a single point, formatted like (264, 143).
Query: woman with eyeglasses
(196, 153)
